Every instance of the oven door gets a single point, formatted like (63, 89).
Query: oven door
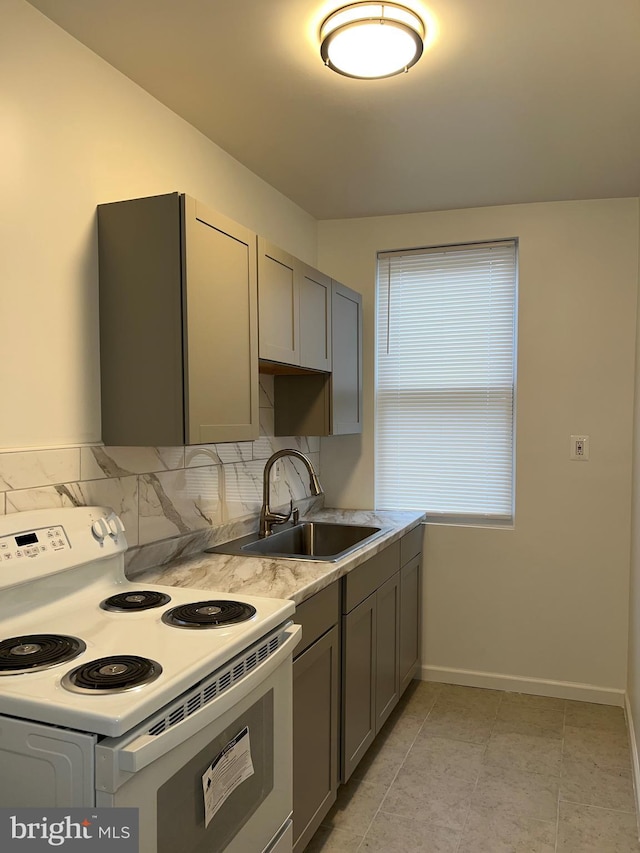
(159, 767)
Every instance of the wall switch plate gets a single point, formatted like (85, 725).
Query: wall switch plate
(579, 451)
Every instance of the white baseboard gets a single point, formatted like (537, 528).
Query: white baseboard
(517, 684)
(635, 762)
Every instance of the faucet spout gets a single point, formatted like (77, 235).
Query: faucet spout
(267, 517)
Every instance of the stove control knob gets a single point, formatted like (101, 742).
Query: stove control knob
(100, 529)
(116, 527)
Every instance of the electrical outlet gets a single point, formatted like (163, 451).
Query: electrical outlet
(579, 451)
(277, 471)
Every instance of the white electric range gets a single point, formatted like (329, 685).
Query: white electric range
(138, 689)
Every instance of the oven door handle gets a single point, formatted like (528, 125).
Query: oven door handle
(138, 752)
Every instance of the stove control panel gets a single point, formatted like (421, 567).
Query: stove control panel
(33, 543)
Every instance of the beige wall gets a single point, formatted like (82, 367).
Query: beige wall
(73, 133)
(546, 600)
(633, 675)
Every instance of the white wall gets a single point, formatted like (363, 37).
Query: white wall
(548, 599)
(75, 132)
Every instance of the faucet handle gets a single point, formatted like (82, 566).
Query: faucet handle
(274, 518)
(289, 514)
(295, 515)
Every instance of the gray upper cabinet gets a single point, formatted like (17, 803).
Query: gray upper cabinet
(346, 378)
(178, 324)
(315, 319)
(294, 310)
(321, 404)
(278, 304)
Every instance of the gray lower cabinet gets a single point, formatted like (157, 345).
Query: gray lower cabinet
(387, 649)
(358, 683)
(316, 686)
(410, 600)
(370, 652)
(370, 680)
(359, 651)
(381, 607)
(410, 606)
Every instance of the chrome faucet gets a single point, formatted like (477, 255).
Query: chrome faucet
(269, 518)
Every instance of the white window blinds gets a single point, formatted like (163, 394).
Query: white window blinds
(445, 381)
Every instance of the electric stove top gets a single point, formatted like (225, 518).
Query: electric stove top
(83, 647)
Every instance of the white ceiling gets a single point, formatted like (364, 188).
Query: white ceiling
(514, 100)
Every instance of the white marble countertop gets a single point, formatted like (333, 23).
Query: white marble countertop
(276, 577)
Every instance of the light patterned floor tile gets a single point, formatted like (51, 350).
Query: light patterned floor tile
(591, 716)
(356, 806)
(530, 700)
(419, 698)
(380, 763)
(460, 723)
(470, 697)
(513, 791)
(491, 831)
(586, 829)
(527, 752)
(490, 771)
(529, 719)
(445, 757)
(585, 782)
(331, 840)
(604, 748)
(440, 799)
(392, 834)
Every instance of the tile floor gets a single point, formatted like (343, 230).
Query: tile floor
(465, 770)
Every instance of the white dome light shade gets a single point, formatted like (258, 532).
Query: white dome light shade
(371, 40)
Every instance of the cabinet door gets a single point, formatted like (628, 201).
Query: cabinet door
(140, 268)
(387, 648)
(358, 683)
(346, 376)
(315, 735)
(315, 319)
(410, 608)
(220, 321)
(278, 304)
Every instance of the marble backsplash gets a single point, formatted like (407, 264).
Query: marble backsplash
(190, 495)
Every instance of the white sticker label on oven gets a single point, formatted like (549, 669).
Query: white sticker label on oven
(226, 772)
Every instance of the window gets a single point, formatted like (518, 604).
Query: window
(446, 380)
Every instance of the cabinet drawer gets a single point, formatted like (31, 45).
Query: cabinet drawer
(366, 579)
(317, 615)
(410, 545)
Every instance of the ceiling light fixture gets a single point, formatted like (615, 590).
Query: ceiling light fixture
(371, 40)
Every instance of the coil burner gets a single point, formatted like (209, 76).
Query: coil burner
(208, 614)
(113, 674)
(34, 652)
(128, 602)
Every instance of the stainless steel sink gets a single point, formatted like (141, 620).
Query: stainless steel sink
(309, 540)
